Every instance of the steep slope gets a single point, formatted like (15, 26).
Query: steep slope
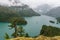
(6, 13)
(42, 9)
(24, 10)
(55, 12)
(15, 11)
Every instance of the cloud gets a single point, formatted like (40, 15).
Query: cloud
(35, 3)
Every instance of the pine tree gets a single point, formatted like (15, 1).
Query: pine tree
(14, 23)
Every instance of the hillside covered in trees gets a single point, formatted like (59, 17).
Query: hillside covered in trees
(50, 31)
(15, 11)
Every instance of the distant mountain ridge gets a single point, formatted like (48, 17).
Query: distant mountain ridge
(49, 11)
(42, 9)
(55, 12)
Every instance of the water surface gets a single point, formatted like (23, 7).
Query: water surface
(32, 28)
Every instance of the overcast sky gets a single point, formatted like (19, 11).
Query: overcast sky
(35, 3)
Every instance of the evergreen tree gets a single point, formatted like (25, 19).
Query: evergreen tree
(14, 23)
(6, 36)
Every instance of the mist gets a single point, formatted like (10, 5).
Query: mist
(33, 3)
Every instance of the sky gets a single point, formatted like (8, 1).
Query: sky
(35, 3)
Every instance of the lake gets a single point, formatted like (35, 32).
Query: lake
(32, 28)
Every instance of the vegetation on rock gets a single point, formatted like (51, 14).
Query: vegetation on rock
(51, 21)
(50, 31)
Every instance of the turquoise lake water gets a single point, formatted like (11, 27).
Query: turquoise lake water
(32, 28)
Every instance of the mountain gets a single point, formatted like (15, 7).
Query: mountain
(42, 9)
(24, 10)
(15, 11)
(55, 12)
